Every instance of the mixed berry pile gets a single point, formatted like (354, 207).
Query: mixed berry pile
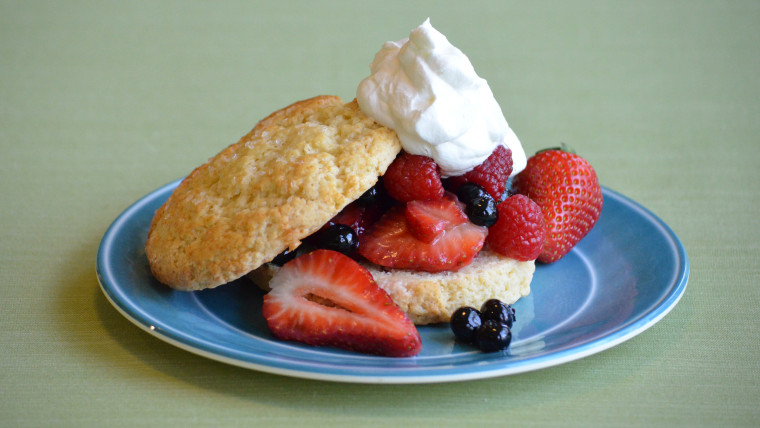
(415, 219)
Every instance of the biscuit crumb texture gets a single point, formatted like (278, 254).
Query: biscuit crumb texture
(429, 298)
(280, 183)
(432, 298)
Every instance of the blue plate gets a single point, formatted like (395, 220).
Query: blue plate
(622, 278)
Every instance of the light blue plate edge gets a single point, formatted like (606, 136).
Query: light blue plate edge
(411, 376)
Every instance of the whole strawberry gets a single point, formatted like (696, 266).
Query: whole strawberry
(567, 189)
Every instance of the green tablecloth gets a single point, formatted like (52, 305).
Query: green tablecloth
(102, 102)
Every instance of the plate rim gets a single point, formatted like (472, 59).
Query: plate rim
(641, 323)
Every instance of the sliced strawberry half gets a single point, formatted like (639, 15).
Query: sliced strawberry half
(325, 298)
(391, 243)
(427, 220)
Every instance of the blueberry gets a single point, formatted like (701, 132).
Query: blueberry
(338, 237)
(374, 196)
(493, 336)
(470, 191)
(465, 323)
(284, 257)
(496, 310)
(480, 206)
(482, 211)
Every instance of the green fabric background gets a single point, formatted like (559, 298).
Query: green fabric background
(102, 102)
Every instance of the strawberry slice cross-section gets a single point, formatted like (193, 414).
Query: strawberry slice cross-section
(427, 220)
(325, 298)
(448, 242)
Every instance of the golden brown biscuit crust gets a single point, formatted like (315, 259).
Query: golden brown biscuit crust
(281, 182)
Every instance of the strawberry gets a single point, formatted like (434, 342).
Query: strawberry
(519, 232)
(325, 298)
(391, 243)
(491, 175)
(427, 220)
(411, 177)
(567, 189)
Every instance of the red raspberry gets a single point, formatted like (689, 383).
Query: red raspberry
(519, 233)
(492, 174)
(413, 177)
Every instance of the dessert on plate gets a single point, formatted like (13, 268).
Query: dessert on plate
(403, 189)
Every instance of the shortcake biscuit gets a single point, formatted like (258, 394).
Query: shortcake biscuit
(280, 183)
(430, 298)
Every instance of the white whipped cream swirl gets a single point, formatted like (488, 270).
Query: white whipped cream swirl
(427, 91)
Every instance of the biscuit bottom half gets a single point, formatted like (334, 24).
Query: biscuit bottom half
(430, 298)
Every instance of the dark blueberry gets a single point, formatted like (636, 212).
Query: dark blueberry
(493, 336)
(482, 211)
(496, 310)
(338, 237)
(470, 191)
(284, 257)
(465, 323)
(374, 196)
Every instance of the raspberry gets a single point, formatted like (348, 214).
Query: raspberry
(492, 174)
(413, 177)
(519, 233)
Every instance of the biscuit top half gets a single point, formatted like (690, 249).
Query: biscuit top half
(280, 183)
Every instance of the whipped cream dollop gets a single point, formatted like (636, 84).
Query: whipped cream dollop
(427, 91)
